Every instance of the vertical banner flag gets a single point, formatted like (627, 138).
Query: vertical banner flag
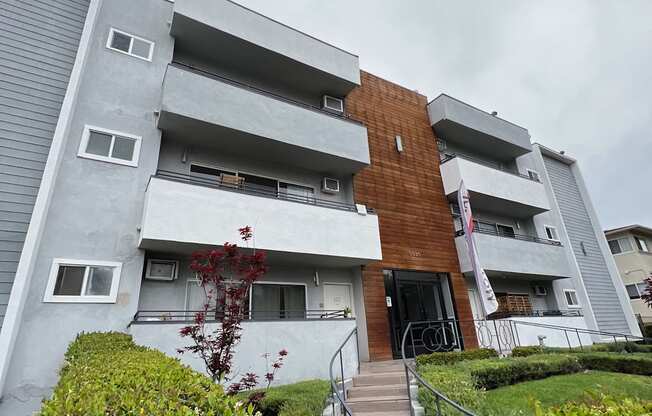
(486, 292)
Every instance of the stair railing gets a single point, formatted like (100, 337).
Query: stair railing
(440, 398)
(337, 394)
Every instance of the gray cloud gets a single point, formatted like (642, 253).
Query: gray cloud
(577, 74)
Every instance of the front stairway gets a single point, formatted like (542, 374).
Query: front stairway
(379, 390)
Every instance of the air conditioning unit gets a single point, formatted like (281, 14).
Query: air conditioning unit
(330, 185)
(162, 269)
(540, 291)
(333, 104)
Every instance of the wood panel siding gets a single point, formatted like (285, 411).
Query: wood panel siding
(406, 189)
(38, 45)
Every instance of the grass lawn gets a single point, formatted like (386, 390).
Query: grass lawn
(556, 390)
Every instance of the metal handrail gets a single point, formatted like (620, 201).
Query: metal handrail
(566, 329)
(451, 156)
(334, 390)
(438, 395)
(522, 237)
(261, 91)
(256, 190)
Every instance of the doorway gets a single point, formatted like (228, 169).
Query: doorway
(337, 297)
(414, 297)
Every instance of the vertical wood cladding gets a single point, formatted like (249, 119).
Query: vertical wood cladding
(416, 227)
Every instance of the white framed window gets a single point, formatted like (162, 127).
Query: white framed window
(620, 245)
(533, 174)
(83, 281)
(278, 300)
(571, 298)
(641, 244)
(129, 44)
(551, 233)
(110, 146)
(636, 290)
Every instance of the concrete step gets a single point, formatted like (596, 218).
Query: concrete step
(379, 404)
(378, 391)
(381, 366)
(379, 379)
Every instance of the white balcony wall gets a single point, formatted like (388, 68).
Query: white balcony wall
(493, 189)
(511, 256)
(299, 135)
(179, 214)
(240, 22)
(310, 345)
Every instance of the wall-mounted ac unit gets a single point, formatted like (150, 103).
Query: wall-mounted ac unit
(332, 104)
(162, 269)
(330, 185)
(540, 291)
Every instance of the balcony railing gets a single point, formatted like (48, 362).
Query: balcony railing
(492, 229)
(534, 313)
(261, 91)
(171, 316)
(450, 156)
(256, 190)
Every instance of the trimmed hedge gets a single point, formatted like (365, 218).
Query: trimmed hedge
(452, 357)
(306, 398)
(457, 384)
(630, 347)
(601, 406)
(107, 374)
(617, 363)
(527, 351)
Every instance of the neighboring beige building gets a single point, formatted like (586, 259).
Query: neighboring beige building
(631, 247)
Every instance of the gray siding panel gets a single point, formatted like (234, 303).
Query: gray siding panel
(38, 45)
(599, 286)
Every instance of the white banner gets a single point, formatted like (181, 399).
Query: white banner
(485, 291)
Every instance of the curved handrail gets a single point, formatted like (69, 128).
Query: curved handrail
(438, 395)
(627, 337)
(334, 388)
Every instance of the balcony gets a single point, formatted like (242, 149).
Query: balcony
(492, 189)
(515, 255)
(247, 42)
(184, 213)
(477, 130)
(237, 118)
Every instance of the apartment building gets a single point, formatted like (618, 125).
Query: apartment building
(135, 133)
(537, 233)
(631, 247)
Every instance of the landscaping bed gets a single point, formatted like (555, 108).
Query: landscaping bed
(472, 380)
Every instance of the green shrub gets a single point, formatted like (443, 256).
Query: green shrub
(441, 358)
(599, 406)
(107, 374)
(527, 351)
(306, 398)
(618, 363)
(621, 346)
(491, 374)
(452, 381)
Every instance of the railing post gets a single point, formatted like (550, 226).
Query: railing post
(568, 340)
(357, 349)
(579, 339)
(414, 351)
(342, 372)
(407, 382)
(500, 350)
(438, 405)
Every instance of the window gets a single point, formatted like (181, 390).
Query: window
(129, 44)
(533, 174)
(505, 230)
(641, 244)
(551, 233)
(110, 146)
(278, 301)
(635, 291)
(620, 245)
(83, 281)
(571, 298)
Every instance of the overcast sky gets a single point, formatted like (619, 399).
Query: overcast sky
(577, 74)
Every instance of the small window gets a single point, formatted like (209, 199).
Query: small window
(505, 230)
(632, 291)
(551, 233)
(620, 245)
(641, 244)
(129, 44)
(571, 298)
(110, 146)
(81, 281)
(278, 301)
(533, 174)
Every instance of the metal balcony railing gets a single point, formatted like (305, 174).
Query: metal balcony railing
(171, 316)
(492, 229)
(509, 313)
(450, 156)
(256, 190)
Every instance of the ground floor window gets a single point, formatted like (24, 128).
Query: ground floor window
(278, 301)
(635, 291)
(83, 281)
(571, 298)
